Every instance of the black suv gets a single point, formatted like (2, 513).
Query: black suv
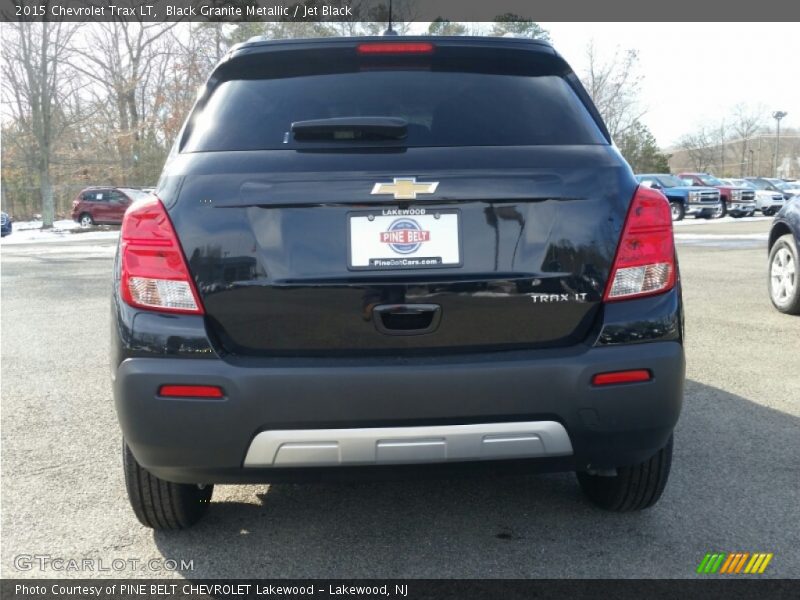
(371, 256)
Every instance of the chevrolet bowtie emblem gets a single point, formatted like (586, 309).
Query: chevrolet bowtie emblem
(405, 188)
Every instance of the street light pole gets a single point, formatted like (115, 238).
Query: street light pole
(778, 115)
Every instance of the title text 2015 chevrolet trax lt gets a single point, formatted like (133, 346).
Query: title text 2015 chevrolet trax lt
(381, 255)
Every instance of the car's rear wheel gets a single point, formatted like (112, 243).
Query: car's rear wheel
(632, 488)
(784, 269)
(86, 220)
(678, 211)
(162, 504)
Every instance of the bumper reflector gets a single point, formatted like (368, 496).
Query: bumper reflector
(190, 391)
(615, 377)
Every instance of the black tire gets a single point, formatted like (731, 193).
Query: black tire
(721, 210)
(160, 504)
(767, 212)
(784, 250)
(632, 488)
(678, 211)
(86, 220)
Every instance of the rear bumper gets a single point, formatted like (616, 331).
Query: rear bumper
(522, 400)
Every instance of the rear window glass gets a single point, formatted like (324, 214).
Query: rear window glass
(135, 194)
(441, 108)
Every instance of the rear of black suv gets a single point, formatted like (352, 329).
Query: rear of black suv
(369, 256)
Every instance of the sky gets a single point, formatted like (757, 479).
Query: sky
(687, 83)
(695, 73)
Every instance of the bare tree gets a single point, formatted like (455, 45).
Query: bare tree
(747, 121)
(699, 149)
(123, 58)
(34, 87)
(614, 85)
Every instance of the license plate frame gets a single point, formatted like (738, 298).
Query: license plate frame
(400, 261)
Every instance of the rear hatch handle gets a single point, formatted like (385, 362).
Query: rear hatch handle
(406, 319)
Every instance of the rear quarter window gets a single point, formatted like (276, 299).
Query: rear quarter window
(442, 109)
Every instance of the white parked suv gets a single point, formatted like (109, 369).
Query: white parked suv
(767, 201)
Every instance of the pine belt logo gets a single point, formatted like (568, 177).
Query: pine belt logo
(405, 236)
(734, 563)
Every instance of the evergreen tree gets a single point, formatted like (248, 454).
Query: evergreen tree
(638, 146)
(516, 25)
(442, 26)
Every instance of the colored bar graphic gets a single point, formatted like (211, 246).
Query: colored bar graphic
(764, 564)
(701, 567)
(718, 562)
(741, 561)
(752, 562)
(728, 563)
(733, 563)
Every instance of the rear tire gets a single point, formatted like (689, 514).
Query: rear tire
(633, 488)
(86, 220)
(784, 272)
(160, 504)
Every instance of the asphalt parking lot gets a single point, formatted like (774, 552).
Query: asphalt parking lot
(735, 483)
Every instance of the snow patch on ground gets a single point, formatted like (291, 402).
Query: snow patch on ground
(718, 236)
(26, 232)
(693, 221)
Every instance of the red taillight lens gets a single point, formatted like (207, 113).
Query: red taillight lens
(154, 271)
(190, 391)
(396, 48)
(621, 377)
(645, 260)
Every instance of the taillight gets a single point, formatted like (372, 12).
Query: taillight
(645, 260)
(154, 271)
(396, 48)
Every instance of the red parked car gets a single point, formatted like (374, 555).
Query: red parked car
(736, 201)
(104, 205)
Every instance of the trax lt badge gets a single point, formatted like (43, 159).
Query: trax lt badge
(405, 188)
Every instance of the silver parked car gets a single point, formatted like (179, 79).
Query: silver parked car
(767, 201)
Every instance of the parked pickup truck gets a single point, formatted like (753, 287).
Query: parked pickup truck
(736, 201)
(684, 199)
